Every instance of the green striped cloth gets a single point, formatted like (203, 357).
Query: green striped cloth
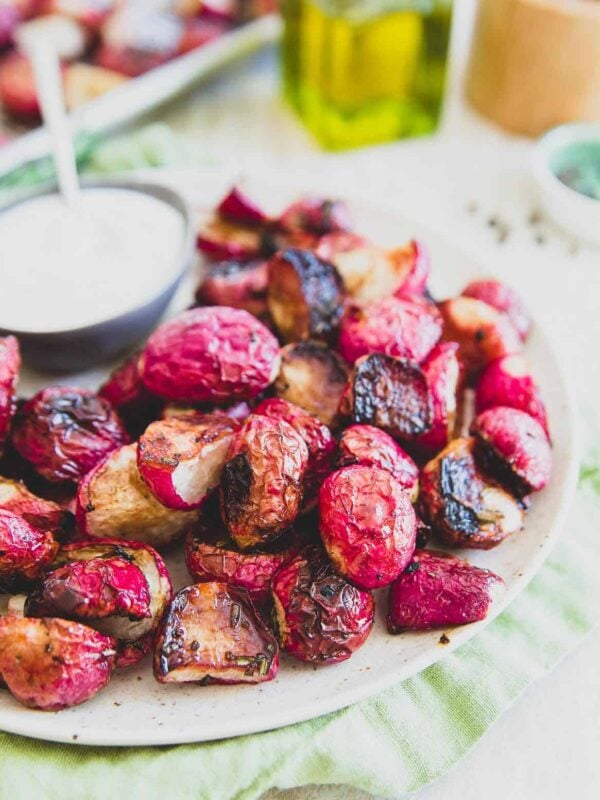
(392, 744)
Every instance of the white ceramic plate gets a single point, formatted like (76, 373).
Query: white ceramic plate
(136, 710)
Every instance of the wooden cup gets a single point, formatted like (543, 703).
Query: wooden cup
(535, 63)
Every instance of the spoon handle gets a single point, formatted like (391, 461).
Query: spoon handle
(48, 81)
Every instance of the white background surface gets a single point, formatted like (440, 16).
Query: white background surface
(548, 744)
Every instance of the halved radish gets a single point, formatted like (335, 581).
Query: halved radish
(181, 459)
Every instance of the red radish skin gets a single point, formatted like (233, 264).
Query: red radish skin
(317, 437)
(96, 588)
(513, 446)
(45, 515)
(262, 482)
(64, 432)
(437, 590)
(17, 87)
(236, 283)
(393, 326)
(508, 382)
(211, 354)
(482, 332)
(503, 299)
(25, 551)
(444, 377)
(464, 506)
(238, 207)
(218, 559)
(10, 366)
(181, 459)
(316, 215)
(372, 447)
(367, 525)
(125, 390)
(320, 617)
(51, 664)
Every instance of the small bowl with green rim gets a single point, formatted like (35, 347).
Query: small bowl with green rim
(566, 171)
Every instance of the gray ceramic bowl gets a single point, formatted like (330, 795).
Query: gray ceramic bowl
(81, 348)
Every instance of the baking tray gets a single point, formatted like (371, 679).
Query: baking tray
(122, 105)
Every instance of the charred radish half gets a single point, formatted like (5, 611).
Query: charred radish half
(212, 634)
(463, 505)
(391, 394)
(305, 295)
(181, 459)
(313, 377)
(437, 590)
(113, 502)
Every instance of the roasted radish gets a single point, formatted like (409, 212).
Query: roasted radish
(482, 332)
(313, 377)
(305, 295)
(443, 373)
(64, 432)
(238, 207)
(236, 283)
(367, 524)
(413, 267)
(316, 215)
(212, 634)
(391, 394)
(25, 551)
(319, 616)
(513, 447)
(119, 588)
(261, 484)
(113, 502)
(463, 505)
(45, 515)
(213, 556)
(181, 459)
(317, 437)
(125, 390)
(503, 299)
(392, 326)
(508, 382)
(372, 447)
(437, 590)
(211, 354)
(52, 664)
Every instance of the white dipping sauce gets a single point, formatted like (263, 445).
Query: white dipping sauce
(62, 269)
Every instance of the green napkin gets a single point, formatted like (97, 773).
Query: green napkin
(391, 744)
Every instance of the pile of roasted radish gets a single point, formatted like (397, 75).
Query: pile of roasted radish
(304, 429)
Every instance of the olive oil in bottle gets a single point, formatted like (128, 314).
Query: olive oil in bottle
(364, 71)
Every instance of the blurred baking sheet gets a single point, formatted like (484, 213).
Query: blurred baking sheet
(140, 95)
